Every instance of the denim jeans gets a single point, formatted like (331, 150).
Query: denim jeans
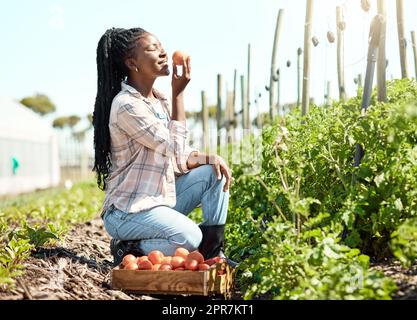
(165, 229)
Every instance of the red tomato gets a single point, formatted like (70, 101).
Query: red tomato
(182, 252)
(191, 264)
(219, 260)
(210, 262)
(167, 260)
(178, 57)
(165, 267)
(131, 266)
(145, 265)
(177, 262)
(179, 269)
(155, 257)
(195, 255)
(156, 267)
(203, 267)
(143, 258)
(128, 259)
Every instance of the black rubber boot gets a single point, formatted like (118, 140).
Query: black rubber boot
(212, 244)
(119, 249)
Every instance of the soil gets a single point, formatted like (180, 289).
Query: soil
(80, 269)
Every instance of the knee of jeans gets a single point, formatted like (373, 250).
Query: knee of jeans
(192, 239)
(211, 175)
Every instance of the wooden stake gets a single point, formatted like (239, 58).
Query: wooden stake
(340, 52)
(247, 105)
(280, 111)
(299, 53)
(328, 95)
(243, 101)
(272, 110)
(205, 120)
(234, 106)
(219, 110)
(307, 56)
(413, 39)
(401, 39)
(382, 59)
(229, 116)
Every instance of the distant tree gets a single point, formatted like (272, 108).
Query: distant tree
(73, 121)
(192, 114)
(212, 111)
(62, 122)
(40, 104)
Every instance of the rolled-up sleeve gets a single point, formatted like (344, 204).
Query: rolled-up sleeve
(182, 165)
(140, 124)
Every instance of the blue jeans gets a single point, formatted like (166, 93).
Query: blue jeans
(165, 229)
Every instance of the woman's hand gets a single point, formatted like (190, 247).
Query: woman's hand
(220, 167)
(179, 83)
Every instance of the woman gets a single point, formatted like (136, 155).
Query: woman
(151, 177)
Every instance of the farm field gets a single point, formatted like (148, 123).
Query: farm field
(315, 247)
(306, 111)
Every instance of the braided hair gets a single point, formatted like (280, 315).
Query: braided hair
(114, 47)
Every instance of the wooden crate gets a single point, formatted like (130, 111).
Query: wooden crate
(202, 283)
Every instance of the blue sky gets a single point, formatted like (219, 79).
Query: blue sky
(49, 46)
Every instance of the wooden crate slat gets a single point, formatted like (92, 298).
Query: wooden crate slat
(174, 282)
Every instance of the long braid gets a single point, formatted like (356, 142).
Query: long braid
(114, 47)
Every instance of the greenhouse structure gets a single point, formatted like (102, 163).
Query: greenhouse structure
(29, 157)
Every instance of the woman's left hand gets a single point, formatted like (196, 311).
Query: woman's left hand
(220, 167)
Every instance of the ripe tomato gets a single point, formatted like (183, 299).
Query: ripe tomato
(166, 260)
(128, 259)
(143, 258)
(156, 267)
(219, 260)
(179, 269)
(177, 262)
(191, 264)
(155, 257)
(165, 267)
(182, 252)
(210, 261)
(131, 266)
(145, 265)
(178, 57)
(203, 267)
(195, 255)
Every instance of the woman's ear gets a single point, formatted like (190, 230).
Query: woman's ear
(131, 65)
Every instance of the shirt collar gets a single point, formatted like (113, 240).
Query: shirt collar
(128, 88)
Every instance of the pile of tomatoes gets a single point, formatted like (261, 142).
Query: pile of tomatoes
(181, 261)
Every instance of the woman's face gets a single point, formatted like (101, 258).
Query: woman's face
(149, 57)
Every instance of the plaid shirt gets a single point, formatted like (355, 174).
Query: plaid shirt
(147, 153)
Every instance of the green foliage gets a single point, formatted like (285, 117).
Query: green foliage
(313, 267)
(309, 187)
(404, 242)
(32, 221)
(40, 104)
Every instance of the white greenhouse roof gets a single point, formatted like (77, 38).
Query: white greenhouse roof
(17, 122)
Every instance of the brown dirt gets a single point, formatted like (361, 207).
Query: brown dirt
(80, 268)
(406, 279)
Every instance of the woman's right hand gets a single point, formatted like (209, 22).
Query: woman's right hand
(179, 83)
